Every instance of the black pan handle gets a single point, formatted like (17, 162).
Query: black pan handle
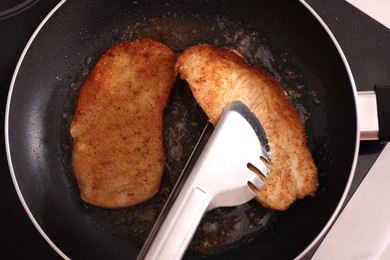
(383, 104)
(375, 113)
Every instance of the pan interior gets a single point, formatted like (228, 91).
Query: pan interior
(281, 37)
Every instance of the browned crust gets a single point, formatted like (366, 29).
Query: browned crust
(117, 129)
(218, 77)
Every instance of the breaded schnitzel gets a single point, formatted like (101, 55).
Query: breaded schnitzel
(117, 151)
(218, 77)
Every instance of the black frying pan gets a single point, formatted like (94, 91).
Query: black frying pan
(283, 37)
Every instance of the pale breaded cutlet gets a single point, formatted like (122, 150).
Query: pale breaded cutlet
(117, 151)
(218, 77)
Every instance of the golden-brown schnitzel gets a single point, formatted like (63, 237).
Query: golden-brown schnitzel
(117, 151)
(218, 77)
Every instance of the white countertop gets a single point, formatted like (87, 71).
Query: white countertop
(377, 9)
(362, 231)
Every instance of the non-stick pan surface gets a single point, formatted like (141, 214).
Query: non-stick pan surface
(281, 36)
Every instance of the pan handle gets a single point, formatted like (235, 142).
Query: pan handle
(374, 109)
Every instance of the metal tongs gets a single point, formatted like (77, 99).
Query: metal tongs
(221, 172)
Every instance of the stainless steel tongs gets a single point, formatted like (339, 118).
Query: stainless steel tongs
(216, 176)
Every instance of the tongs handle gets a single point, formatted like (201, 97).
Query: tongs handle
(180, 225)
(181, 215)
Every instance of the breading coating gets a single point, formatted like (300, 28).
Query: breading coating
(218, 77)
(117, 154)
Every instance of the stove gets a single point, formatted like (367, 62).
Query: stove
(364, 41)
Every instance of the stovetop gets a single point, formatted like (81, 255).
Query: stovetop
(364, 41)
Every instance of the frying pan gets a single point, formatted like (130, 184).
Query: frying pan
(283, 37)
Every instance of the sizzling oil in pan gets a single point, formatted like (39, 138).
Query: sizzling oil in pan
(184, 121)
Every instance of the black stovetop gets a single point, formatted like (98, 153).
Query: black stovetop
(364, 41)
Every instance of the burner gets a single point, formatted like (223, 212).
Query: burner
(9, 8)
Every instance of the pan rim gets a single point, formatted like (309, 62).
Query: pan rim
(357, 141)
(329, 223)
(6, 133)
